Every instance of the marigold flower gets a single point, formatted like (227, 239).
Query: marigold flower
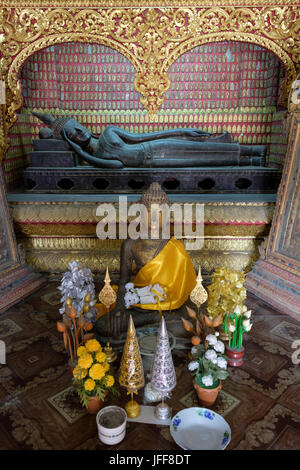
(100, 356)
(79, 374)
(85, 361)
(93, 345)
(81, 350)
(89, 385)
(97, 372)
(109, 380)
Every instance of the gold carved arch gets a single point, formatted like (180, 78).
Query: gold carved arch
(13, 77)
(151, 37)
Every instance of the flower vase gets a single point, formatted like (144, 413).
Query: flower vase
(235, 355)
(94, 405)
(207, 396)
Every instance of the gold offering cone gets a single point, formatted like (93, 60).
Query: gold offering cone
(131, 369)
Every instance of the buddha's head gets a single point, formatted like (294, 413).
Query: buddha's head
(152, 198)
(66, 128)
(74, 131)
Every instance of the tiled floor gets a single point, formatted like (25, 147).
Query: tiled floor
(39, 409)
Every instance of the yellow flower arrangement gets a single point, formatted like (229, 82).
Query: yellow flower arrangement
(100, 356)
(92, 345)
(91, 373)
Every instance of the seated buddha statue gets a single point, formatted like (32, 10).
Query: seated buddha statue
(158, 261)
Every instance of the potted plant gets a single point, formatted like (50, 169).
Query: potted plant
(209, 368)
(91, 376)
(236, 325)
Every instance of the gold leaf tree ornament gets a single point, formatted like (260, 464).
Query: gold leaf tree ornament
(225, 292)
(108, 297)
(131, 369)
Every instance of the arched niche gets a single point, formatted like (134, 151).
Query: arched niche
(96, 84)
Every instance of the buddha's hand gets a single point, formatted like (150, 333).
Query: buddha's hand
(118, 321)
(196, 133)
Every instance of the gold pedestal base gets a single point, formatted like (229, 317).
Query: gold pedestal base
(133, 409)
(111, 356)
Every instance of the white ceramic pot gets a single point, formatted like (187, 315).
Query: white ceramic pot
(107, 434)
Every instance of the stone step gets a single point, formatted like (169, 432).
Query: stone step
(50, 144)
(53, 158)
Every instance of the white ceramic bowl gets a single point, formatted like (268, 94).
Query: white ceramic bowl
(111, 436)
(200, 429)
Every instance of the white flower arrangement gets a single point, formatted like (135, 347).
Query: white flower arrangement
(209, 366)
(76, 284)
(143, 295)
(236, 325)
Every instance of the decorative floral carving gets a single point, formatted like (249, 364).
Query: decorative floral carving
(151, 38)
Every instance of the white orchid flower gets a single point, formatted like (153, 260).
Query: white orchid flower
(231, 328)
(249, 327)
(248, 313)
(246, 324)
(238, 310)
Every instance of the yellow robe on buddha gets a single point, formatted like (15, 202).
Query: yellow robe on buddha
(173, 270)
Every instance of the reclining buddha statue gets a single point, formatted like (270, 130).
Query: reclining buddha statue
(160, 262)
(116, 148)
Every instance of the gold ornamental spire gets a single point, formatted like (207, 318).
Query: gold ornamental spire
(199, 295)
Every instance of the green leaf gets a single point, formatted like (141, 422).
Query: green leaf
(222, 374)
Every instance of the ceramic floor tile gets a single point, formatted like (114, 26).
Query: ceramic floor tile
(40, 410)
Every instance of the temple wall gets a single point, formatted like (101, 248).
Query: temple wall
(231, 86)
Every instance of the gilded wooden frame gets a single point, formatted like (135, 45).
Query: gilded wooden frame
(12, 259)
(282, 247)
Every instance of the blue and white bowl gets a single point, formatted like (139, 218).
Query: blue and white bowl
(200, 429)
